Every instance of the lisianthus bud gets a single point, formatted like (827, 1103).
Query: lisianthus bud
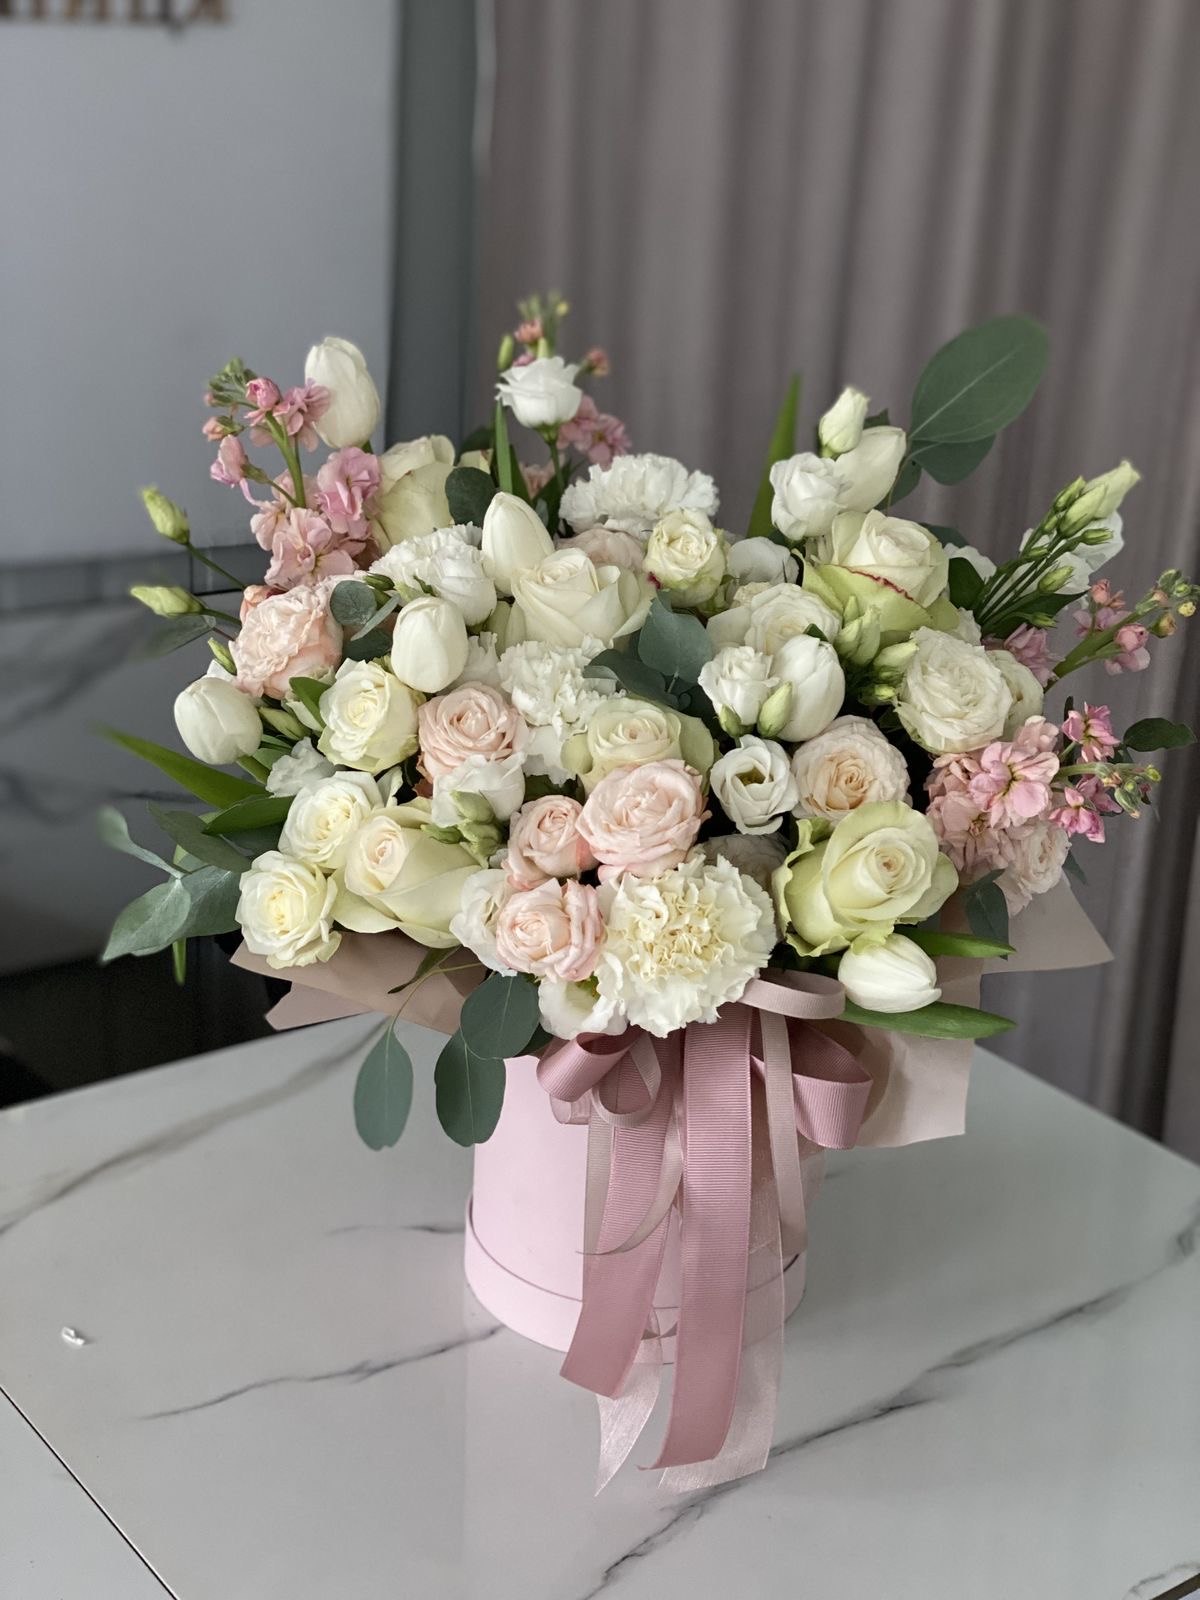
(514, 540)
(223, 656)
(1051, 582)
(892, 662)
(353, 409)
(1100, 497)
(166, 600)
(504, 356)
(217, 722)
(841, 427)
(777, 708)
(169, 519)
(858, 637)
(429, 646)
(283, 722)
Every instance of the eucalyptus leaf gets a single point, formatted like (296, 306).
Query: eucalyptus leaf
(987, 910)
(212, 895)
(782, 445)
(308, 692)
(937, 1021)
(187, 830)
(673, 643)
(966, 584)
(214, 787)
(631, 674)
(499, 1017)
(469, 492)
(1157, 733)
(367, 646)
(149, 923)
(979, 382)
(114, 832)
(951, 463)
(469, 1091)
(906, 482)
(383, 1091)
(956, 944)
(258, 811)
(352, 604)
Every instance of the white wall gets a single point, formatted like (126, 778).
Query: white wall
(169, 199)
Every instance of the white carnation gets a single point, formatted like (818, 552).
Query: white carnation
(546, 683)
(447, 562)
(953, 696)
(635, 492)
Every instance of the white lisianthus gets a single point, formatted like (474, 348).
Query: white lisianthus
(817, 682)
(285, 911)
(429, 644)
(217, 722)
(764, 617)
(300, 768)
(687, 556)
(737, 680)
(679, 946)
(809, 492)
(953, 697)
(759, 560)
(901, 555)
(500, 783)
(541, 393)
(325, 816)
(353, 408)
(514, 539)
(754, 784)
(566, 599)
(870, 468)
(569, 1009)
(1101, 497)
(1038, 854)
(1027, 693)
(449, 563)
(483, 661)
(848, 765)
(370, 718)
(755, 855)
(483, 897)
(983, 565)
(411, 500)
(635, 492)
(841, 427)
(627, 732)
(895, 975)
(398, 876)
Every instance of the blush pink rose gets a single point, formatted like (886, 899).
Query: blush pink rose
(473, 720)
(544, 842)
(553, 931)
(286, 636)
(644, 819)
(607, 547)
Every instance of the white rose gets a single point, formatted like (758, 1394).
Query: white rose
(755, 786)
(769, 615)
(566, 599)
(687, 555)
(818, 686)
(808, 495)
(514, 539)
(755, 855)
(1027, 693)
(398, 876)
(370, 718)
(569, 1009)
(429, 644)
(411, 500)
(869, 470)
(324, 817)
(737, 680)
(483, 661)
(1038, 853)
(285, 911)
(634, 492)
(500, 783)
(448, 562)
(760, 560)
(299, 768)
(841, 427)
(217, 722)
(848, 765)
(903, 555)
(542, 393)
(893, 976)
(353, 409)
(953, 697)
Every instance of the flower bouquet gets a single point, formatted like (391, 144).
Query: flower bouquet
(698, 839)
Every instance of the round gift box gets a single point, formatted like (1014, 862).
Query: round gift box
(524, 1229)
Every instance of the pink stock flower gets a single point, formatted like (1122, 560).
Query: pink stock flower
(1013, 782)
(524, 359)
(301, 407)
(530, 332)
(344, 484)
(536, 477)
(1075, 815)
(967, 836)
(265, 522)
(596, 361)
(215, 429)
(1134, 656)
(1031, 647)
(230, 465)
(1091, 729)
(305, 549)
(597, 435)
(1103, 607)
(262, 397)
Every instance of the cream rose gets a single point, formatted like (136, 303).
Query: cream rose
(370, 718)
(755, 786)
(472, 720)
(286, 636)
(687, 556)
(849, 765)
(566, 599)
(643, 819)
(544, 841)
(1027, 693)
(895, 975)
(1038, 854)
(541, 393)
(889, 552)
(398, 876)
(324, 817)
(629, 732)
(553, 931)
(953, 696)
(285, 911)
(411, 499)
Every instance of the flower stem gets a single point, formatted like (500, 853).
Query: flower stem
(216, 567)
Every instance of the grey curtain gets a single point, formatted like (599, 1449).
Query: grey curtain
(728, 189)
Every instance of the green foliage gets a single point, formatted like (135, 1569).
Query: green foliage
(383, 1091)
(631, 674)
(187, 830)
(946, 536)
(979, 382)
(907, 480)
(367, 646)
(499, 1017)
(114, 832)
(956, 944)
(174, 633)
(937, 1021)
(308, 692)
(502, 457)
(966, 585)
(782, 445)
(1157, 733)
(469, 1091)
(987, 909)
(469, 492)
(199, 903)
(673, 643)
(257, 811)
(353, 604)
(214, 787)
(951, 463)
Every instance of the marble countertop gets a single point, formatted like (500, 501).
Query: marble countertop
(287, 1393)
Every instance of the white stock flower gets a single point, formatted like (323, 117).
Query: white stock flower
(678, 947)
(895, 975)
(324, 817)
(848, 765)
(754, 784)
(566, 599)
(217, 722)
(474, 924)
(687, 556)
(541, 393)
(818, 686)
(353, 408)
(370, 718)
(1038, 853)
(285, 911)
(770, 615)
(759, 560)
(953, 696)
(411, 500)
(448, 562)
(841, 427)
(1027, 693)
(635, 492)
(500, 783)
(429, 644)
(514, 539)
(298, 769)
(738, 679)
(569, 1009)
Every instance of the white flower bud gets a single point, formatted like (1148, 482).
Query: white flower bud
(353, 410)
(217, 722)
(429, 646)
(893, 976)
(841, 427)
(514, 540)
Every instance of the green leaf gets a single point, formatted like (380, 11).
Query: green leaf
(469, 493)
(187, 830)
(499, 1017)
(673, 643)
(308, 692)
(910, 476)
(257, 811)
(215, 788)
(174, 634)
(955, 944)
(212, 896)
(353, 604)
(114, 832)
(937, 1021)
(179, 962)
(480, 438)
(469, 1092)
(1157, 733)
(502, 459)
(383, 1091)
(951, 463)
(947, 536)
(966, 585)
(987, 909)
(367, 646)
(149, 923)
(782, 445)
(979, 382)
(631, 674)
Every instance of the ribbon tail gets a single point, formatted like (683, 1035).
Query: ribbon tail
(623, 1419)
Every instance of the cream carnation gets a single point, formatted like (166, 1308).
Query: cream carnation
(473, 720)
(323, 818)
(755, 786)
(285, 911)
(635, 492)
(678, 947)
(846, 766)
(643, 819)
(953, 696)
(286, 636)
(553, 931)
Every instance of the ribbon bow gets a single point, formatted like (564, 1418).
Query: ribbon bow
(716, 1123)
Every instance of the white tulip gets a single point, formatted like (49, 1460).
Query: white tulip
(737, 680)
(514, 540)
(893, 976)
(217, 722)
(870, 469)
(429, 645)
(818, 685)
(841, 427)
(755, 786)
(353, 410)
(542, 393)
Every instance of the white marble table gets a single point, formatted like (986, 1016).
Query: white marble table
(992, 1389)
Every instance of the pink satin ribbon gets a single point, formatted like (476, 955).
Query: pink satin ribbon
(672, 1125)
